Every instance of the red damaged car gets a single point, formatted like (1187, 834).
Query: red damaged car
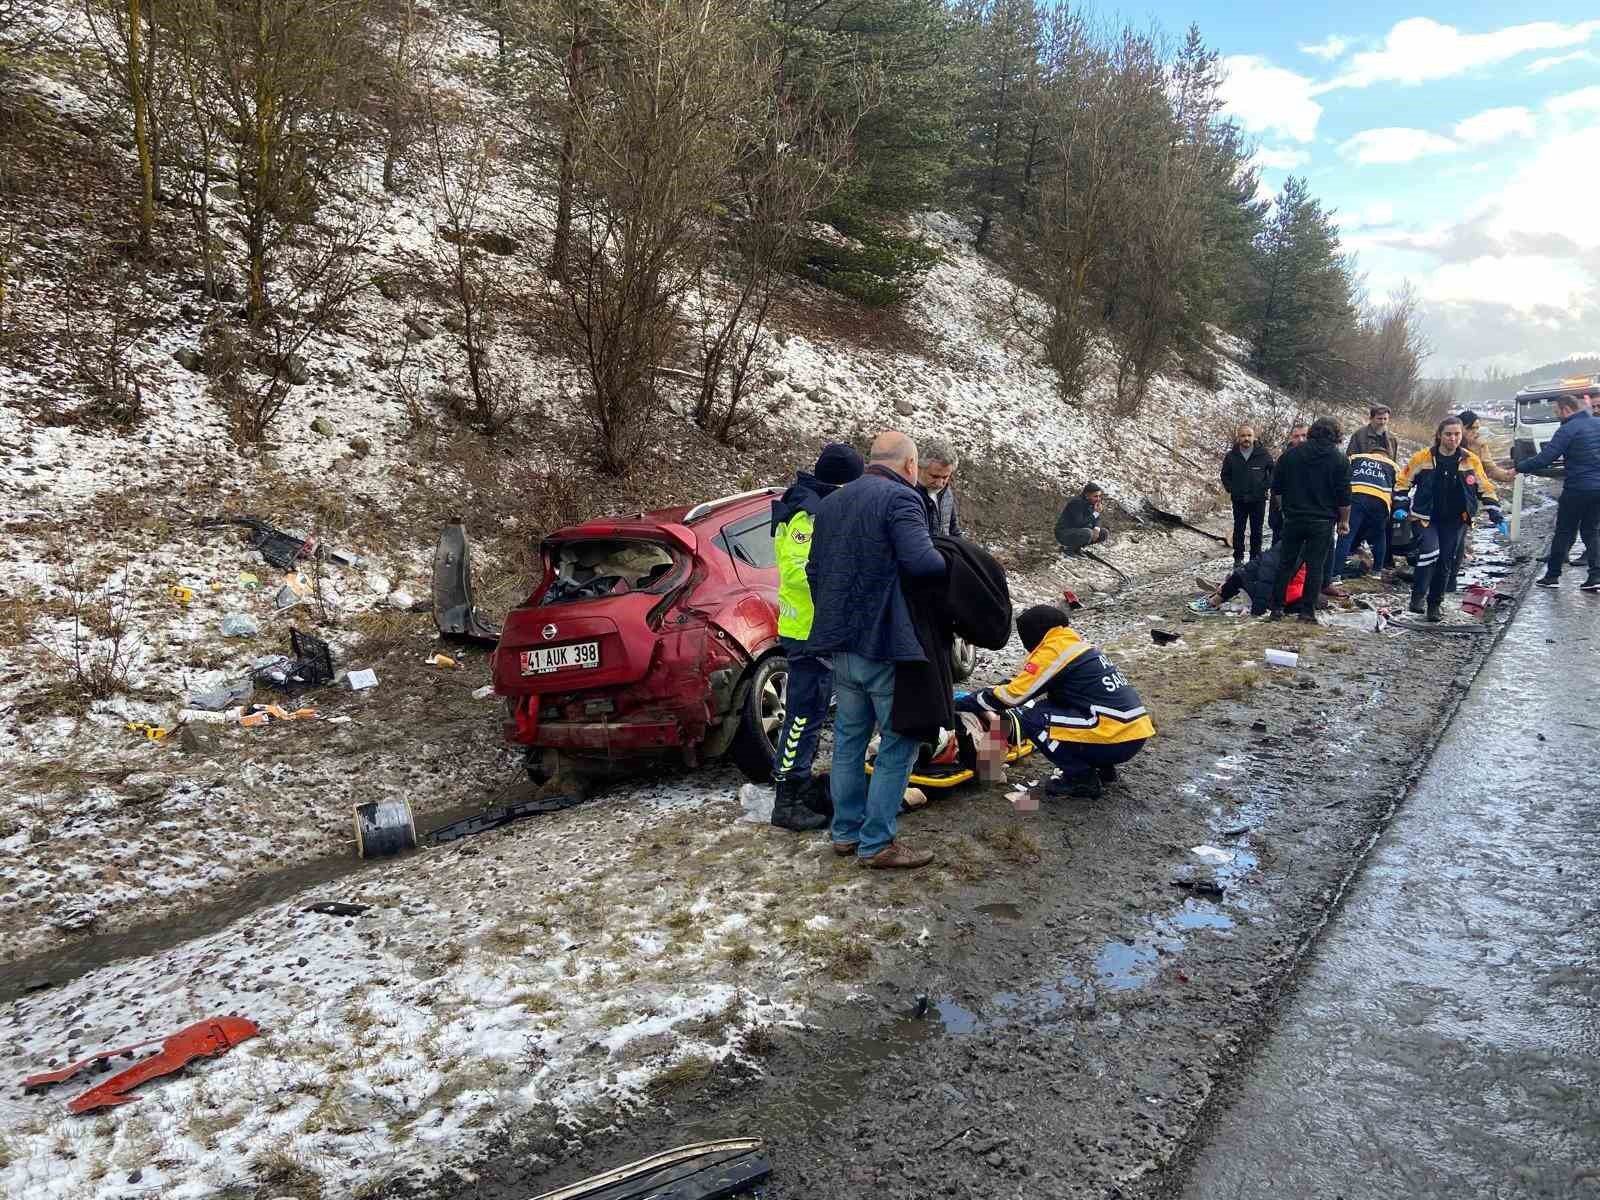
(651, 635)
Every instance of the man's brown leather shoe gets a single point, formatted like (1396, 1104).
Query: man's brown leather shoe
(896, 855)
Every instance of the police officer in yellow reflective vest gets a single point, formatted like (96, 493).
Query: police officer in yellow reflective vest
(810, 677)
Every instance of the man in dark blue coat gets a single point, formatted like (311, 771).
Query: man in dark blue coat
(866, 535)
(1577, 443)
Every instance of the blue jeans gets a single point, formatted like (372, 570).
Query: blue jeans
(865, 813)
(805, 710)
(1369, 522)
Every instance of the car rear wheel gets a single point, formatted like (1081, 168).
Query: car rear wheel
(762, 705)
(963, 660)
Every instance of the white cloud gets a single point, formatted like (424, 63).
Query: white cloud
(1372, 147)
(1373, 216)
(1541, 65)
(1418, 49)
(1584, 100)
(1517, 280)
(1328, 49)
(1281, 158)
(1520, 281)
(1495, 125)
(1269, 99)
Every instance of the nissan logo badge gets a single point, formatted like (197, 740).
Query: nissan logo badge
(549, 632)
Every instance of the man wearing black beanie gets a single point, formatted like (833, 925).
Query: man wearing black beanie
(810, 684)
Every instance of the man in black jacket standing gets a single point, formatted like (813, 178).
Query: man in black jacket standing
(1247, 478)
(1312, 483)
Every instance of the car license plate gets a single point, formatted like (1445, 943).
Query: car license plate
(574, 656)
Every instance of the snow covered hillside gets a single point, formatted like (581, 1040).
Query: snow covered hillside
(114, 816)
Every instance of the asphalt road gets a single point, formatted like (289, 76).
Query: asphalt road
(1444, 1038)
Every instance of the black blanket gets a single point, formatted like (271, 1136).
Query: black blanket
(972, 600)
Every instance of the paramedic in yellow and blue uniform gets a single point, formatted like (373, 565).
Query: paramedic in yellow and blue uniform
(1079, 711)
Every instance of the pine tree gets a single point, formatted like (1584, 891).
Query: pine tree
(1002, 42)
(1303, 302)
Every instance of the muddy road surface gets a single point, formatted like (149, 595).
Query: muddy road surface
(1445, 1037)
(1063, 1024)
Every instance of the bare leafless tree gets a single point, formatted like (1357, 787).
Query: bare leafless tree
(465, 160)
(655, 142)
(791, 166)
(286, 75)
(129, 37)
(319, 275)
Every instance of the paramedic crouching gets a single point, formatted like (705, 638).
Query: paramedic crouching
(1079, 711)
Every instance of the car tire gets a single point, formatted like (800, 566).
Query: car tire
(762, 702)
(963, 660)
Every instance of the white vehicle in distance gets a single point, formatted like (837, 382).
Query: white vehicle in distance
(1534, 421)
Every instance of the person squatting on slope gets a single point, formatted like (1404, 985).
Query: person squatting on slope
(1313, 484)
(1079, 711)
(1078, 527)
(1447, 487)
(1247, 478)
(865, 537)
(810, 676)
(1577, 443)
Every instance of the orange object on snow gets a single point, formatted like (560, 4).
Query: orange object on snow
(204, 1039)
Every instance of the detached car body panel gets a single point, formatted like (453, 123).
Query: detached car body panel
(644, 636)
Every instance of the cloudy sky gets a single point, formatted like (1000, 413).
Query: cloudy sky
(1459, 143)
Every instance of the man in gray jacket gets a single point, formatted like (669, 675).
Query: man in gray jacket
(935, 472)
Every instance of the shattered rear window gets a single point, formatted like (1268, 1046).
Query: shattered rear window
(590, 570)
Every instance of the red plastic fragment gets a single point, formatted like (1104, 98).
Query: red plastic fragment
(204, 1039)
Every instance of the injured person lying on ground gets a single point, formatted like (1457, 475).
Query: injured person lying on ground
(1071, 702)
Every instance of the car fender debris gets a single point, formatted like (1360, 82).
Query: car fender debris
(699, 1171)
(204, 1039)
(455, 611)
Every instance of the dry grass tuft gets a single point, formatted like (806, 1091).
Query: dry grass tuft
(1013, 843)
(686, 1072)
(757, 1041)
(384, 630)
(204, 1127)
(841, 954)
(964, 861)
(280, 1167)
